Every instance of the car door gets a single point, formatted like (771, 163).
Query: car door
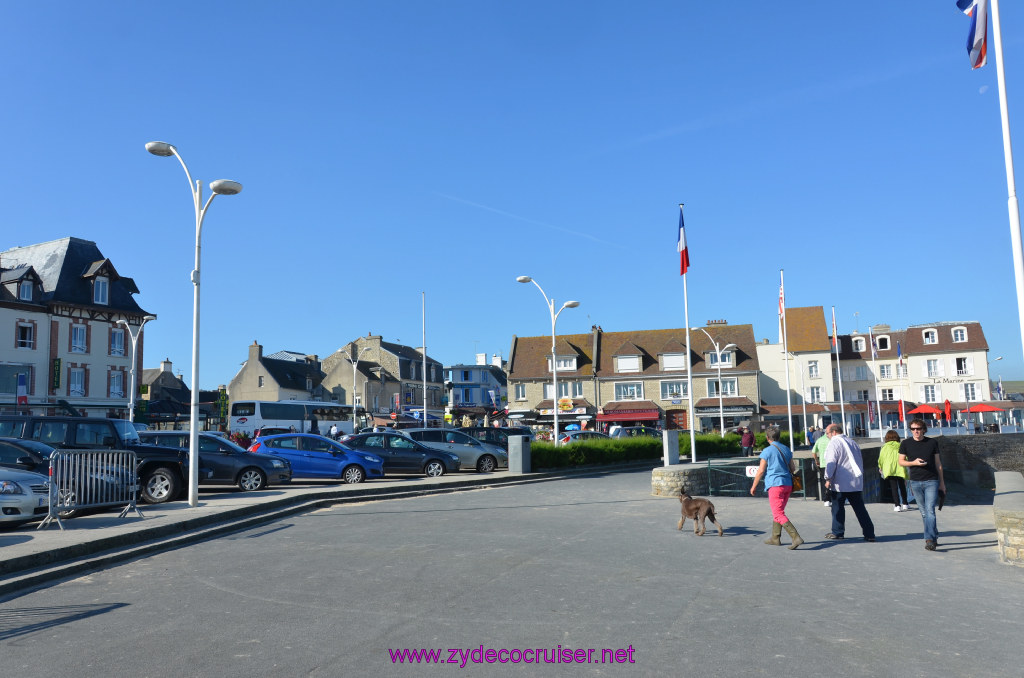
(217, 463)
(466, 447)
(288, 447)
(320, 456)
(405, 454)
(374, 443)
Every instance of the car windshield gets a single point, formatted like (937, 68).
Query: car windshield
(129, 434)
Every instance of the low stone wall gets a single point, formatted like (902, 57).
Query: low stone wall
(1008, 511)
(667, 481)
(974, 460)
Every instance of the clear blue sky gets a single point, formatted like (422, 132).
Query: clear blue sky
(391, 148)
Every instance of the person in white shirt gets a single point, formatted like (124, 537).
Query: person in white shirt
(844, 474)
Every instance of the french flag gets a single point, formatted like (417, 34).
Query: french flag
(684, 253)
(22, 388)
(977, 39)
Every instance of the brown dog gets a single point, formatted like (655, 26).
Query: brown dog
(697, 509)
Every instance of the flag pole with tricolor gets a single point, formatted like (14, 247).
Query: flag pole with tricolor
(874, 378)
(684, 265)
(977, 50)
(785, 356)
(839, 371)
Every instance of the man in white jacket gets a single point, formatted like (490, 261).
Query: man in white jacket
(844, 473)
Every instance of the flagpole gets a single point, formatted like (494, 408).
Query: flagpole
(785, 351)
(1012, 204)
(839, 370)
(684, 265)
(874, 377)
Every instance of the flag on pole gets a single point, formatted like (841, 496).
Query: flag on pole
(834, 338)
(782, 300)
(977, 38)
(22, 388)
(874, 346)
(899, 354)
(999, 388)
(684, 253)
(901, 411)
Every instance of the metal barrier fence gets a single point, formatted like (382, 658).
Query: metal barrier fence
(89, 479)
(732, 477)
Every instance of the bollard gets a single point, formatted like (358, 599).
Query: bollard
(670, 447)
(518, 454)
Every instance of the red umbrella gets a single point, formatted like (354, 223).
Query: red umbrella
(982, 407)
(924, 409)
(949, 411)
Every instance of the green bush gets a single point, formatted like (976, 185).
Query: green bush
(546, 455)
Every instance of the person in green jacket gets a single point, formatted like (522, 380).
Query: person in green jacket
(889, 467)
(820, 445)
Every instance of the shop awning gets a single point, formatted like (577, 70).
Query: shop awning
(630, 410)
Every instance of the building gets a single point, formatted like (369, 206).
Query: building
(638, 376)
(478, 390)
(61, 301)
(389, 380)
(283, 376)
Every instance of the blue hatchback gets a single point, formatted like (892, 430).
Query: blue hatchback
(313, 456)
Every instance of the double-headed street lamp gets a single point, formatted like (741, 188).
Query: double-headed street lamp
(355, 367)
(550, 303)
(218, 187)
(135, 338)
(721, 403)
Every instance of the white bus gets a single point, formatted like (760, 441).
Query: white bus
(306, 416)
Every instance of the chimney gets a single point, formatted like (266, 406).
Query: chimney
(496, 360)
(165, 365)
(481, 358)
(255, 352)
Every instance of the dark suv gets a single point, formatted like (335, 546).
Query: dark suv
(497, 436)
(161, 471)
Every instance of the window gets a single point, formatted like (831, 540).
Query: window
(882, 343)
(547, 390)
(100, 290)
(888, 394)
(933, 368)
(674, 361)
(726, 359)
(964, 367)
(25, 290)
(812, 369)
(577, 389)
(628, 363)
(858, 344)
(901, 371)
(564, 364)
(117, 384)
(78, 339)
(259, 381)
(116, 342)
(26, 336)
(467, 375)
(673, 389)
(969, 393)
(9, 382)
(309, 384)
(959, 334)
(930, 336)
(520, 391)
(76, 381)
(885, 371)
(632, 390)
(861, 395)
(816, 394)
(728, 387)
(931, 394)
(860, 373)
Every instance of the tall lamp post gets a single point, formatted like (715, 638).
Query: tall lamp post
(718, 355)
(135, 338)
(550, 303)
(355, 367)
(218, 187)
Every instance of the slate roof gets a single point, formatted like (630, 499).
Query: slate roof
(911, 341)
(293, 375)
(63, 266)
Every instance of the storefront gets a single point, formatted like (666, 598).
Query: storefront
(629, 413)
(575, 411)
(736, 412)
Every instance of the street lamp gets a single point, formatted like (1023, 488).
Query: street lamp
(718, 354)
(550, 303)
(355, 367)
(135, 338)
(218, 187)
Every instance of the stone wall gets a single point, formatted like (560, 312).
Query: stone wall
(1008, 512)
(667, 481)
(974, 460)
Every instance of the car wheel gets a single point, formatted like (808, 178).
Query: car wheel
(353, 475)
(252, 479)
(160, 485)
(434, 468)
(486, 464)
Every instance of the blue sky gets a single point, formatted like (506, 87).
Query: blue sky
(390, 148)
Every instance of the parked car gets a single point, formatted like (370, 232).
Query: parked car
(223, 462)
(24, 496)
(313, 456)
(472, 453)
(631, 431)
(402, 454)
(496, 436)
(271, 431)
(567, 437)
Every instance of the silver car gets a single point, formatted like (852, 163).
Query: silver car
(24, 496)
(472, 453)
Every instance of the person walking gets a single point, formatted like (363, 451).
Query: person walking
(747, 442)
(844, 475)
(920, 455)
(818, 455)
(889, 467)
(777, 469)
(334, 431)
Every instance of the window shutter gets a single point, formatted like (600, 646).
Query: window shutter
(960, 392)
(970, 366)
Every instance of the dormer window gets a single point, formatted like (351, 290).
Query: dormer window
(858, 344)
(959, 334)
(882, 343)
(627, 363)
(726, 359)
(674, 361)
(25, 290)
(930, 337)
(309, 384)
(564, 363)
(101, 290)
